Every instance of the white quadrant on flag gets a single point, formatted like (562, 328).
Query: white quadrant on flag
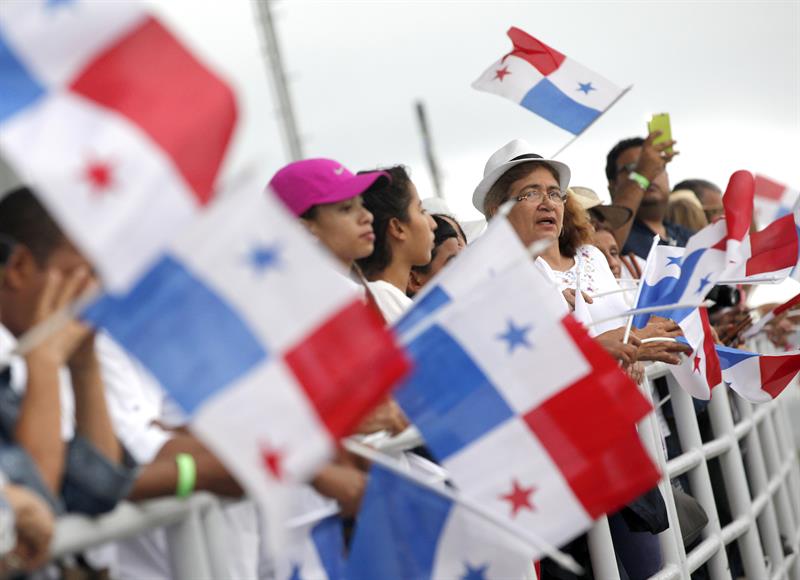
(253, 253)
(584, 86)
(284, 438)
(69, 35)
(510, 77)
(533, 492)
(95, 167)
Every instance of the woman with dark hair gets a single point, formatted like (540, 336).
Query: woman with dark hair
(403, 239)
(447, 244)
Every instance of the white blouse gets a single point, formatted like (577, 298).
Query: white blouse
(390, 299)
(595, 278)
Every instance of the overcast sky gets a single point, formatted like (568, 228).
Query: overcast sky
(727, 72)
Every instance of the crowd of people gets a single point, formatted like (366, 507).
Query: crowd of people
(84, 425)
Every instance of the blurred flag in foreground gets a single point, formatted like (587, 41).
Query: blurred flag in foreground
(527, 413)
(773, 200)
(759, 378)
(117, 127)
(271, 352)
(406, 531)
(546, 82)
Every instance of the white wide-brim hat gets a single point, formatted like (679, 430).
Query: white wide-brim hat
(511, 154)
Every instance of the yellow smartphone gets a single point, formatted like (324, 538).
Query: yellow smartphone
(660, 122)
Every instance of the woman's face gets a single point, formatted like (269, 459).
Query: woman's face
(537, 217)
(419, 242)
(606, 243)
(345, 227)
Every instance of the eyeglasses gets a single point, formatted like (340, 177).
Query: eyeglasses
(537, 194)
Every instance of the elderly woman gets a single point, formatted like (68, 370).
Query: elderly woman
(544, 210)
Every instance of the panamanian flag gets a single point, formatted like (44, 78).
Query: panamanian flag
(773, 252)
(497, 249)
(771, 315)
(546, 82)
(407, 531)
(536, 422)
(773, 200)
(270, 352)
(117, 127)
(759, 378)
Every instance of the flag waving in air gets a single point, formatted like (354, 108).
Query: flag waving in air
(546, 82)
(118, 128)
(759, 378)
(270, 352)
(773, 200)
(526, 412)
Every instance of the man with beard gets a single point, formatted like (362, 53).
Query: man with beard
(637, 179)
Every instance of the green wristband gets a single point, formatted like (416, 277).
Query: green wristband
(640, 180)
(187, 474)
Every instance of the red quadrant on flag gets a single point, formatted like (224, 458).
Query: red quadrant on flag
(542, 57)
(767, 188)
(347, 366)
(589, 431)
(777, 372)
(148, 77)
(773, 248)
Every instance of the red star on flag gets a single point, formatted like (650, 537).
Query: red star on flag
(500, 73)
(519, 497)
(272, 461)
(697, 363)
(99, 176)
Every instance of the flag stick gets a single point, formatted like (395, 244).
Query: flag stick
(313, 517)
(532, 541)
(50, 325)
(571, 141)
(651, 309)
(610, 292)
(650, 254)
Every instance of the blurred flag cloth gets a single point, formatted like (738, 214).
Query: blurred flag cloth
(536, 422)
(270, 351)
(119, 129)
(773, 252)
(407, 531)
(759, 378)
(546, 82)
(773, 200)
(498, 248)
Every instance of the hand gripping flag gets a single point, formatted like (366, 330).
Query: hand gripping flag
(114, 124)
(527, 413)
(759, 378)
(406, 531)
(773, 200)
(546, 82)
(271, 353)
(770, 316)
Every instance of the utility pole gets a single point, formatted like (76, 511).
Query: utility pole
(427, 144)
(272, 54)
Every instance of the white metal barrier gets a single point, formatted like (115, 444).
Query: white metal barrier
(756, 452)
(194, 528)
(761, 476)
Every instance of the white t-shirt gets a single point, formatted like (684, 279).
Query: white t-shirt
(391, 300)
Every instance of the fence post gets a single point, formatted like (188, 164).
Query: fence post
(650, 433)
(699, 478)
(736, 484)
(601, 551)
(760, 480)
(186, 546)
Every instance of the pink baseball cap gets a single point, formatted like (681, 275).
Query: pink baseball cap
(304, 184)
